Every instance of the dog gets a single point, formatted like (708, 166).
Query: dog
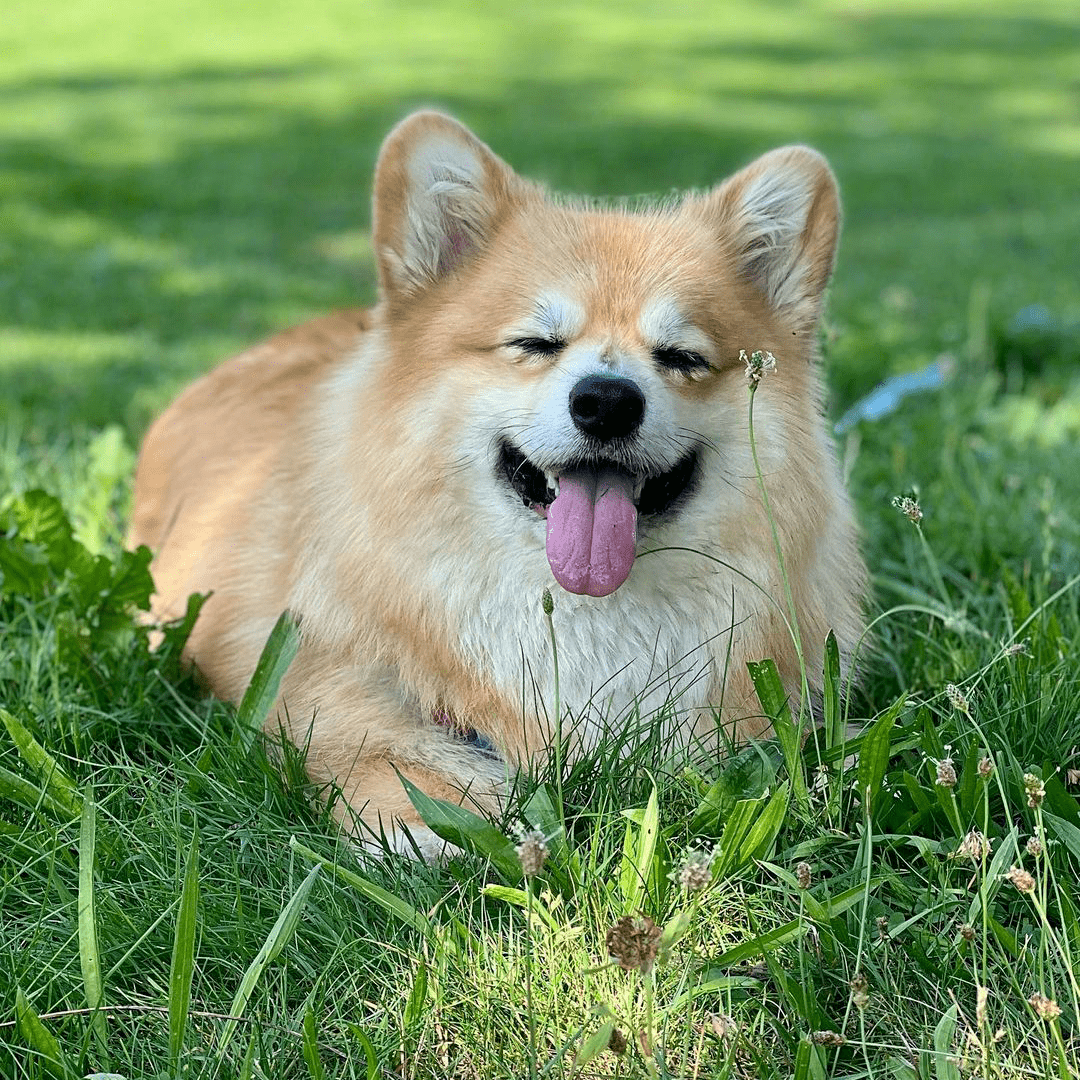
(549, 395)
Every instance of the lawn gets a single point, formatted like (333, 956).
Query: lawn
(179, 179)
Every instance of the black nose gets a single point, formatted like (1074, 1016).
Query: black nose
(606, 406)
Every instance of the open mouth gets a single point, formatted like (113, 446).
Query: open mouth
(592, 508)
(655, 495)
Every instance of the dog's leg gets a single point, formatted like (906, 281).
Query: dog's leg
(375, 807)
(362, 732)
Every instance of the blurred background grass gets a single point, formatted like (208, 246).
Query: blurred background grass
(180, 178)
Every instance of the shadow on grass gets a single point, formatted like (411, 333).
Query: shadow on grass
(251, 212)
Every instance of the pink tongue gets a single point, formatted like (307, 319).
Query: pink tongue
(592, 532)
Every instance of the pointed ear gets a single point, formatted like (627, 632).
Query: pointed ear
(781, 218)
(439, 194)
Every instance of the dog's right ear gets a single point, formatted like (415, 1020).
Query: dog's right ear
(439, 195)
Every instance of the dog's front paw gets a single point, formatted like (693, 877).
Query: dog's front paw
(412, 841)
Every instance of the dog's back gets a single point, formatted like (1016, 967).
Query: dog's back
(202, 463)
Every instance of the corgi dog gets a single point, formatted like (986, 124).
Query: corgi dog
(548, 396)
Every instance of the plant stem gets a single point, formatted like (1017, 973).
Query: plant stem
(650, 1034)
(548, 608)
(939, 581)
(789, 597)
(798, 772)
(528, 978)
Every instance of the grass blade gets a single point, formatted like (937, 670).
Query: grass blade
(397, 907)
(276, 940)
(58, 786)
(89, 956)
(38, 1037)
(259, 697)
(182, 967)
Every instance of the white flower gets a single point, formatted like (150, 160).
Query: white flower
(758, 364)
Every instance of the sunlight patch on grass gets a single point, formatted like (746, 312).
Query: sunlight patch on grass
(68, 350)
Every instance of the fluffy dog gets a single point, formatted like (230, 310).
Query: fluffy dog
(547, 395)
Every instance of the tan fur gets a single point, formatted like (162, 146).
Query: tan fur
(346, 470)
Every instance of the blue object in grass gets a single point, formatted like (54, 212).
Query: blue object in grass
(886, 396)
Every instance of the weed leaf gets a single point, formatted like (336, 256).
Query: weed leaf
(466, 829)
(541, 813)
(18, 789)
(790, 931)
(397, 907)
(1065, 831)
(830, 706)
(63, 793)
(763, 832)
(89, 956)
(674, 931)
(247, 1066)
(995, 875)
(311, 1046)
(875, 751)
(520, 898)
(174, 635)
(416, 1006)
(39, 1038)
(805, 1050)
(749, 835)
(715, 984)
(594, 1045)
(944, 1065)
(639, 850)
(748, 776)
(370, 1057)
(774, 703)
(278, 653)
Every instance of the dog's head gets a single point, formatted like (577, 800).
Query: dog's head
(594, 354)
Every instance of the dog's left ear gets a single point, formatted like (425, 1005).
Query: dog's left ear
(780, 217)
(440, 194)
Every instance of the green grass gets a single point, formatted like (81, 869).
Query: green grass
(178, 179)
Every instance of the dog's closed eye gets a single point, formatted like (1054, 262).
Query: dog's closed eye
(684, 360)
(538, 346)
